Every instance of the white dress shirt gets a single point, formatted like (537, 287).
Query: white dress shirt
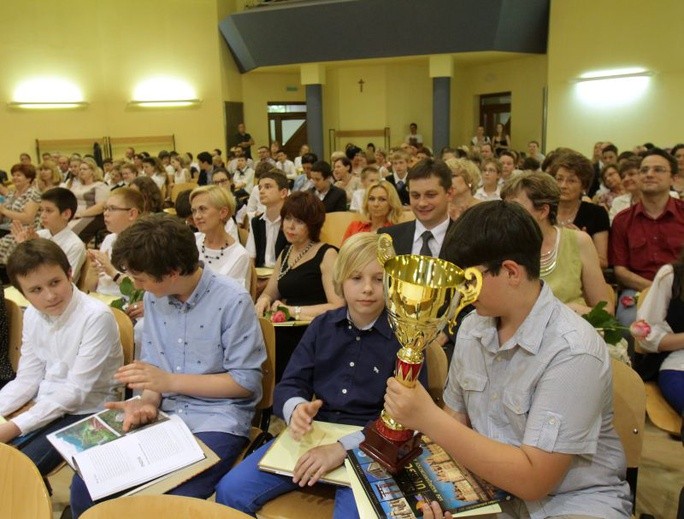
(435, 243)
(72, 245)
(67, 363)
(272, 229)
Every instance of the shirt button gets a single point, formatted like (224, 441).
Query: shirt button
(358, 338)
(178, 368)
(180, 340)
(552, 421)
(180, 411)
(350, 327)
(351, 364)
(495, 396)
(344, 391)
(498, 359)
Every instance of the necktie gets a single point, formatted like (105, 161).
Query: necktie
(400, 185)
(425, 249)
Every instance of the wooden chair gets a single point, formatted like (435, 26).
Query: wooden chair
(335, 225)
(86, 277)
(126, 333)
(179, 188)
(438, 369)
(253, 282)
(407, 216)
(15, 318)
(243, 234)
(23, 495)
(168, 507)
(629, 406)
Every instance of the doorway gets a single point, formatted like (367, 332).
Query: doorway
(287, 125)
(495, 109)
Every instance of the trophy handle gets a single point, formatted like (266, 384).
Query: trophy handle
(385, 248)
(469, 290)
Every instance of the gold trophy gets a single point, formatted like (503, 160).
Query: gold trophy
(422, 295)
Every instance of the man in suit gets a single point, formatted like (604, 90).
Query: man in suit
(333, 198)
(429, 188)
(400, 162)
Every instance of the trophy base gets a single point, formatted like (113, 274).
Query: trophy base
(393, 455)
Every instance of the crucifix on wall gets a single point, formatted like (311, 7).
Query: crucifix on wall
(361, 83)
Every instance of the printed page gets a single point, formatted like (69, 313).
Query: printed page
(138, 457)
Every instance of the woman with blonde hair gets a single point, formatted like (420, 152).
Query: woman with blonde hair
(48, 176)
(91, 193)
(381, 208)
(212, 206)
(465, 177)
(569, 261)
(181, 167)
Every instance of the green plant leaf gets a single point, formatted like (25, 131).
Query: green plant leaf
(118, 303)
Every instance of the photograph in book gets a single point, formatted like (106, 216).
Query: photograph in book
(433, 476)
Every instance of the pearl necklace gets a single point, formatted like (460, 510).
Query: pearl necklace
(215, 258)
(549, 260)
(285, 267)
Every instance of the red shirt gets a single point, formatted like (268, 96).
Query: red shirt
(359, 226)
(643, 244)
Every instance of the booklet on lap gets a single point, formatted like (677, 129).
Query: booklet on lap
(284, 452)
(110, 460)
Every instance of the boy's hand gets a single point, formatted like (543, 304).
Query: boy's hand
(21, 233)
(433, 511)
(141, 375)
(303, 415)
(317, 462)
(410, 406)
(136, 413)
(8, 431)
(136, 310)
(102, 262)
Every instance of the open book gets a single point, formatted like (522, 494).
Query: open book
(110, 460)
(284, 452)
(433, 476)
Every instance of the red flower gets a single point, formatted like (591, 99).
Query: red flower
(278, 317)
(628, 301)
(640, 329)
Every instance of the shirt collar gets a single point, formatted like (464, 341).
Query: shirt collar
(438, 231)
(381, 324)
(670, 207)
(529, 334)
(70, 308)
(202, 288)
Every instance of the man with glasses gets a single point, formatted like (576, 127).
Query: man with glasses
(649, 234)
(528, 399)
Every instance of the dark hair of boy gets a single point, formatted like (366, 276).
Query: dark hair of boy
(156, 245)
(309, 158)
(277, 176)
(323, 168)
(62, 198)
(33, 254)
(505, 231)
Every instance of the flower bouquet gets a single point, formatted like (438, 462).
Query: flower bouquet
(130, 295)
(611, 331)
(279, 315)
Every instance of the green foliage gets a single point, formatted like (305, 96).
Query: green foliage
(131, 294)
(605, 323)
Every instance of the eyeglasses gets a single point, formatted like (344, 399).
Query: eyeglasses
(109, 208)
(660, 170)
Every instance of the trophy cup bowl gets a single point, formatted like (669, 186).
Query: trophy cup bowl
(422, 295)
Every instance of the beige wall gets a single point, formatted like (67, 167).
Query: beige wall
(588, 35)
(525, 78)
(107, 48)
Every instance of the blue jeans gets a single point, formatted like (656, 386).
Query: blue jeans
(671, 384)
(226, 446)
(37, 447)
(247, 488)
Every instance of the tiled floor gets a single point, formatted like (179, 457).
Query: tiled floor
(661, 477)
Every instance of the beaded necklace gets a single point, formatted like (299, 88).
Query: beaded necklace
(285, 266)
(215, 258)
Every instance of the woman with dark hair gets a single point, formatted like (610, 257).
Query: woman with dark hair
(612, 179)
(150, 192)
(302, 279)
(342, 171)
(21, 204)
(574, 174)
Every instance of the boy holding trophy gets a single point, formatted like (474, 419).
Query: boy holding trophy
(529, 393)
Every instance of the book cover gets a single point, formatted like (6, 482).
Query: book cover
(433, 476)
(282, 455)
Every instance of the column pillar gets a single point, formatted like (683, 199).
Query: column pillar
(313, 77)
(441, 71)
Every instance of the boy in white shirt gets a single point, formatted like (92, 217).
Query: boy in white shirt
(57, 208)
(70, 351)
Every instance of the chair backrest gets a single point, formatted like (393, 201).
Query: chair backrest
(407, 216)
(438, 368)
(268, 367)
(243, 234)
(15, 319)
(126, 333)
(23, 494)
(335, 225)
(639, 303)
(179, 188)
(253, 282)
(629, 405)
(166, 506)
(86, 277)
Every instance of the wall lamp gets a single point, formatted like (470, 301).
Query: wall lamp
(620, 73)
(47, 93)
(164, 92)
